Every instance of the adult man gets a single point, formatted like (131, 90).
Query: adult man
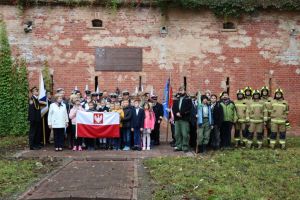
(240, 125)
(279, 113)
(182, 111)
(218, 117)
(34, 117)
(229, 111)
(267, 100)
(159, 112)
(256, 115)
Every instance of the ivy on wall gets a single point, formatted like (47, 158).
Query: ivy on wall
(13, 90)
(221, 8)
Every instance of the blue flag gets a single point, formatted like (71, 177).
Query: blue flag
(166, 99)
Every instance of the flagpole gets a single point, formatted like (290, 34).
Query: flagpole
(167, 137)
(44, 132)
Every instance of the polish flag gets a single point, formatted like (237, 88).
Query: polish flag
(97, 124)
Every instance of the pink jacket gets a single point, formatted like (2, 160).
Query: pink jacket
(73, 112)
(149, 119)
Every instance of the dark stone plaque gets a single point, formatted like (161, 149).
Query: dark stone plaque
(119, 59)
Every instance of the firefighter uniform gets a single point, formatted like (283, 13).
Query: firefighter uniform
(257, 115)
(267, 100)
(279, 113)
(240, 124)
(248, 101)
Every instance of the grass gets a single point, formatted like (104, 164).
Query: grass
(236, 174)
(16, 175)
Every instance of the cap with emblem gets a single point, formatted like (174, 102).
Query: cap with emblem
(113, 95)
(94, 94)
(125, 92)
(154, 97)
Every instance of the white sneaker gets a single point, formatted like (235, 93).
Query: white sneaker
(144, 148)
(148, 148)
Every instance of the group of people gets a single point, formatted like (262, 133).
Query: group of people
(140, 119)
(197, 122)
(253, 112)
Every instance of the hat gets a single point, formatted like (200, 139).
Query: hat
(154, 97)
(87, 92)
(34, 88)
(203, 97)
(94, 94)
(240, 91)
(264, 88)
(125, 92)
(113, 95)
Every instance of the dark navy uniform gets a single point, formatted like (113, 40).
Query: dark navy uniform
(159, 113)
(35, 119)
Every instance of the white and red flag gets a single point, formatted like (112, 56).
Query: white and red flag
(97, 124)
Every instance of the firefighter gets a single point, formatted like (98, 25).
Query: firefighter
(267, 100)
(257, 115)
(248, 101)
(240, 124)
(278, 114)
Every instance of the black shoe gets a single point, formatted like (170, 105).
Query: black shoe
(177, 149)
(200, 149)
(34, 148)
(139, 149)
(185, 151)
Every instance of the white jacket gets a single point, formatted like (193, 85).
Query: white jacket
(58, 116)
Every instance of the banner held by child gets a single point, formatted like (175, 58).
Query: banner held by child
(97, 124)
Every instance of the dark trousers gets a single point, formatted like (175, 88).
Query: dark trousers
(215, 137)
(59, 136)
(90, 142)
(126, 135)
(76, 141)
(225, 134)
(193, 135)
(35, 134)
(47, 129)
(137, 137)
(173, 132)
(155, 135)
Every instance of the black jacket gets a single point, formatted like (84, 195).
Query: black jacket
(159, 111)
(217, 114)
(34, 110)
(103, 109)
(185, 111)
(126, 122)
(137, 120)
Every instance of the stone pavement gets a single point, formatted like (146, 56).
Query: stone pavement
(94, 174)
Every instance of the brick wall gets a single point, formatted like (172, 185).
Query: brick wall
(196, 47)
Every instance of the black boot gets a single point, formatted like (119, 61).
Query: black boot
(201, 149)
(204, 148)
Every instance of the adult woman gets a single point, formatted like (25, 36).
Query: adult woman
(58, 120)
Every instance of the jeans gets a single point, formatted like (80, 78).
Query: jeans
(137, 137)
(126, 136)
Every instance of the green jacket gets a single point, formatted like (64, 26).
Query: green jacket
(229, 111)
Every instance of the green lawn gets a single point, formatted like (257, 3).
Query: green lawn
(16, 175)
(233, 174)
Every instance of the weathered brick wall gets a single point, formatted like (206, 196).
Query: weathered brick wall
(195, 47)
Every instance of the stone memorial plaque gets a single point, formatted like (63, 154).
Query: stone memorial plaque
(119, 59)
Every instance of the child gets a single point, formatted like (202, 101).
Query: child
(137, 124)
(126, 123)
(117, 108)
(77, 141)
(102, 108)
(90, 142)
(148, 125)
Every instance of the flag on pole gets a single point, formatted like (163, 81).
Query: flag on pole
(97, 91)
(166, 99)
(97, 124)
(43, 95)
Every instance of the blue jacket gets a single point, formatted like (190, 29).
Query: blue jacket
(200, 115)
(137, 120)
